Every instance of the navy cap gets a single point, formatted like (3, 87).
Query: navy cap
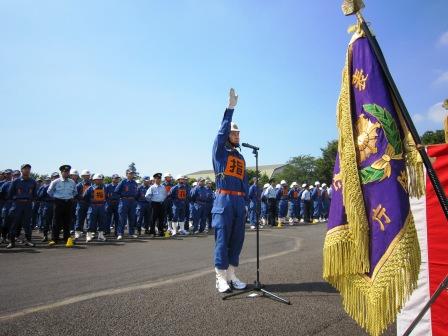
(130, 171)
(65, 168)
(55, 174)
(8, 171)
(25, 165)
(114, 176)
(47, 178)
(146, 178)
(157, 175)
(16, 172)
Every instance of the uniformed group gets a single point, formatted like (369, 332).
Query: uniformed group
(81, 204)
(282, 204)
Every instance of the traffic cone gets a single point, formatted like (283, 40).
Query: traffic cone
(69, 242)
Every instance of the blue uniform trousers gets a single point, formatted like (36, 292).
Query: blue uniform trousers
(143, 215)
(253, 213)
(96, 218)
(199, 216)
(228, 220)
(112, 216)
(282, 208)
(81, 215)
(21, 212)
(179, 210)
(46, 217)
(126, 211)
(6, 218)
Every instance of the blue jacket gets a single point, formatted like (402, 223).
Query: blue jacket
(293, 195)
(229, 165)
(81, 188)
(282, 194)
(141, 190)
(199, 195)
(111, 195)
(95, 195)
(127, 188)
(253, 193)
(22, 189)
(179, 194)
(210, 195)
(42, 194)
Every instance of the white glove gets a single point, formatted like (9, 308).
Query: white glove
(233, 99)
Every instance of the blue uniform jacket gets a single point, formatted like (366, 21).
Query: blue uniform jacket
(81, 188)
(111, 195)
(42, 194)
(179, 194)
(95, 195)
(22, 189)
(199, 195)
(229, 165)
(141, 190)
(127, 188)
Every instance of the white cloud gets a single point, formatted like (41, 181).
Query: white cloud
(443, 40)
(437, 113)
(442, 79)
(418, 117)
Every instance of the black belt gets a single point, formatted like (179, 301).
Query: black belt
(63, 200)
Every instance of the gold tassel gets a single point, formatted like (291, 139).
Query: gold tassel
(374, 302)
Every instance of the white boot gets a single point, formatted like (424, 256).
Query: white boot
(174, 228)
(89, 236)
(78, 234)
(233, 280)
(221, 281)
(302, 220)
(101, 236)
(182, 228)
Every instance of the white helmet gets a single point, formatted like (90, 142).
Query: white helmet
(85, 172)
(98, 177)
(311, 187)
(316, 183)
(234, 127)
(266, 185)
(195, 184)
(324, 185)
(74, 172)
(278, 186)
(304, 185)
(283, 182)
(294, 184)
(181, 177)
(168, 175)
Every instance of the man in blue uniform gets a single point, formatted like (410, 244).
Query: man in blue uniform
(95, 197)
(253, 197)
(199, 199)
(282, 202)
(191, 206)
(46, 206)
(264, 206)
(36, 207)
(316, 199)
(229, 207)
(143, 211)
(325, 202)
(82, 206)
(112, 200)
(168, 204)
(5, 205)
(209, 206)
(22, 192)
(74, 175)
(179, 195)
(127, 190)
(294, 204)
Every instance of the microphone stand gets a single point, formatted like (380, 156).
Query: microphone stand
(258, 288)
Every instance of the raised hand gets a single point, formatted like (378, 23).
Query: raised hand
(233, 98)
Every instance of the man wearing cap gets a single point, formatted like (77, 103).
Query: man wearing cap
(294, 203)
(5, 205)
(264, 206)
(112, 200)
(229, 207)
(271, 196)
(46, 206)
(82, 206)
(282, 197)
(157, 194)
(191, 206)
(168, 204)
(179, 195)
(199, 199)
(253, 197)
(63, 190)
(95, 197)
(143, 207)
(22, 192)
(127, 190)
(325, 202)
(316, 198)
(209, 205)
(305, 204)
(74, 175)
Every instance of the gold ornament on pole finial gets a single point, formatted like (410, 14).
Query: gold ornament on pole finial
(445, 106)
(350, 7)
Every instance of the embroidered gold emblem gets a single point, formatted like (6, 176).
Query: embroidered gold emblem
(379, 215)
(366, 137)
(359, 80)
(403, 180)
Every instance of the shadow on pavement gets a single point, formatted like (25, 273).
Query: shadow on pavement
(302, 287)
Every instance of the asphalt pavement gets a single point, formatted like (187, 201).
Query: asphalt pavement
(166, 287)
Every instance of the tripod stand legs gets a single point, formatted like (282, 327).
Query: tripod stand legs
(259, 288)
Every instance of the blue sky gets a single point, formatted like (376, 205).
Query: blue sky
(99, 84)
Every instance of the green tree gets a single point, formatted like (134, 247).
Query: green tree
(325, 164)
(433, 137)
(301, 169)
(262, 179)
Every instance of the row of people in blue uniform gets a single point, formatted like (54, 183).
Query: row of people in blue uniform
(98, 207)
(281, 204)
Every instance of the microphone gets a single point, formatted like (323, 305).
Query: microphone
(250, 146)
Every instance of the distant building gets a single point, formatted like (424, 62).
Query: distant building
(269, 170)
